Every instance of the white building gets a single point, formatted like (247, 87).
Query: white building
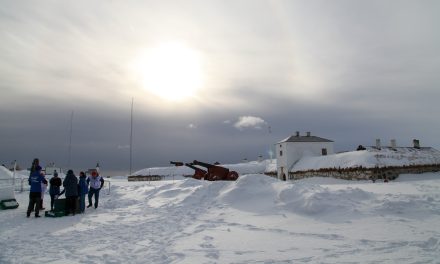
(292, 149)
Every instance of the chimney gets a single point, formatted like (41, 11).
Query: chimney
(393, 143)
(416, 143)
(378, 143)
(308, 134)
(297, 133)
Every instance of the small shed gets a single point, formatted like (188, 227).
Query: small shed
(290, 150)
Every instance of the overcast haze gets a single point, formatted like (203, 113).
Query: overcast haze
(349, 71)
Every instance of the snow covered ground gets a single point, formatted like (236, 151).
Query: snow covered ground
(256, 219)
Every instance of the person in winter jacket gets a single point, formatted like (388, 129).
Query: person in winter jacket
(96, 182)
(35, 180)
(43, 191)
(82, 191)
(54, 189)
(70, 184)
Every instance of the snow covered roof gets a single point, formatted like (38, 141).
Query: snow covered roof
(370, 158)
(308, 138)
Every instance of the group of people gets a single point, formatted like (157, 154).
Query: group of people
(74, 189)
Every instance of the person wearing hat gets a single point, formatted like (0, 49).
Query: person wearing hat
(70, 184)
(54, 189)
(96, 182)
(35, 181)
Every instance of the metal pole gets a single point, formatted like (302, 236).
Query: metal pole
(70, 140)
(13, 176)
(131, 134)
(269, 129)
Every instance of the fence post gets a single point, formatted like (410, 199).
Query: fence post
(22, 187)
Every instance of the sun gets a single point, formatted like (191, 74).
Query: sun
(171, 71)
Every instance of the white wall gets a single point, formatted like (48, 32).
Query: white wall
(294, 151)
(6, 184)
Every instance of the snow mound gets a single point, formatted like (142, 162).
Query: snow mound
(252, 167)
(254, 193)
(321, 202)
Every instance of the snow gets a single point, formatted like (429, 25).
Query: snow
(371, 158)
(256, 167)
(256, 219)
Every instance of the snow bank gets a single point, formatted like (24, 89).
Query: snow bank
(254, 193)
(256, 219)
(314, 200)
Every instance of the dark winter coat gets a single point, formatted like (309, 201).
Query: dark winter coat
(35, 180)
(55, 184)
(83, 186)
(70, 184)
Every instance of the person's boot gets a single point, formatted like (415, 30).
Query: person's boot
(88, 206)
(36, 216)
(28, 214)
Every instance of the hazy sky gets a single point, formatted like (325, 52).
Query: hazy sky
(209, 78)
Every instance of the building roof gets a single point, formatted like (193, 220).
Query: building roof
(297, 138)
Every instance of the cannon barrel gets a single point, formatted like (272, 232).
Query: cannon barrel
(198, 173)
(194, 167)
(176, 163)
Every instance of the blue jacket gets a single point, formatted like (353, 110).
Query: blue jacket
(82, 185)
(35, 180)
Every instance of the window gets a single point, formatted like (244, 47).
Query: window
(281, 153)
(324, 152)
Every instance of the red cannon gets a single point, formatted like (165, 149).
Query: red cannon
(199, 174)
(216, 172)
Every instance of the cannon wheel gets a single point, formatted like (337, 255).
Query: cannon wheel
(232, 176)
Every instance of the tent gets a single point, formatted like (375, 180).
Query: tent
(7, 196)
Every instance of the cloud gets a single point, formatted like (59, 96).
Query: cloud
(249, 122)
(192, 126)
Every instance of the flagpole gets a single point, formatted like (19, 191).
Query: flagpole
(131, 134)
(70, 141)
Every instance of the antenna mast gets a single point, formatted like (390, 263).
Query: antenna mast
(131, 134)
(70, 141)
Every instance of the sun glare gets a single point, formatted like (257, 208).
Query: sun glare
(171, 71)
